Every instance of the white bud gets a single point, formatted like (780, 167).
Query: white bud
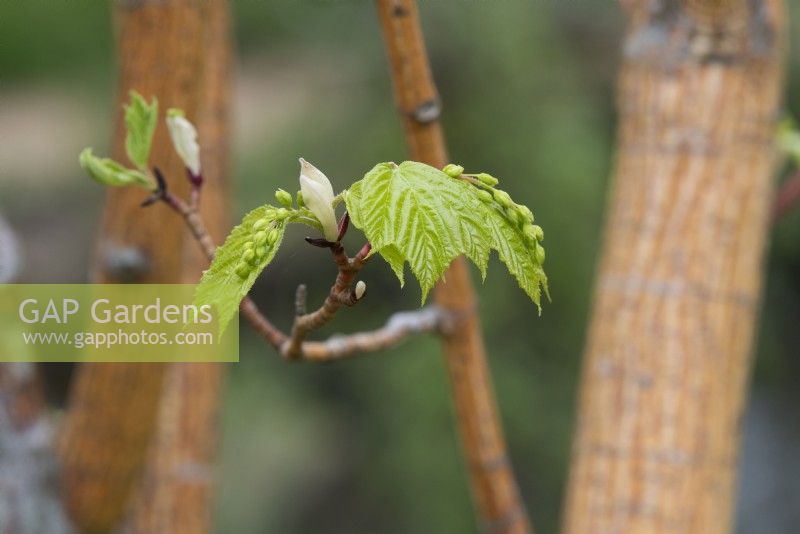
(184, 139)
(318, 197)
(361, 287)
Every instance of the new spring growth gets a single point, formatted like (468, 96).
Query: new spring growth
(452, 170)
(361, 287)
(108, 172)
(318, 197)
(264, 236)
(184, 138)
(487, 179)
(518, 215)
(284, 198)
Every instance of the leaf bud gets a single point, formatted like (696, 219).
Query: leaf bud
(502, 198)
(284, 198)
(452, 170)
(487, 179)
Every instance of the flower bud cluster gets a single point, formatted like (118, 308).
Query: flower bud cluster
(517, 214)
(264, 235)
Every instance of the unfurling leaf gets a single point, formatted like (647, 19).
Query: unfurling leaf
(249, 248)
(108, 172)
(413, 212)
(140, 120)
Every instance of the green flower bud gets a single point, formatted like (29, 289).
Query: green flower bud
(485, 196)
(530, 234)
(525, 212)
(284, 198)
(513, 215)
(538, 232)
(300, 202)
(249, 245)
(260, 224)
(272, 236)
(249, 256)
(260, 238)
(502, 198)
(538, 253)
(281, 214)
(452, 170)
(243, 270)
(261, 252)
(487, 179)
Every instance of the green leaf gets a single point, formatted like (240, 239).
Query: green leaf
(108, 172)
(231, 275)
(516, 252)
(413, 212)
(140, 120)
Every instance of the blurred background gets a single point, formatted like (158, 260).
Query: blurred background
(369, 445)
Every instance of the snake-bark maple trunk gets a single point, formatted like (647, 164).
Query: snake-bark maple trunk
(494, 489)
(163, 47)
(668, 354)
(175, 493)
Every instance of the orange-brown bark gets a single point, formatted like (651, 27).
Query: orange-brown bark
(494, 489)
(679, 284)
(165, 51)
(175, 493)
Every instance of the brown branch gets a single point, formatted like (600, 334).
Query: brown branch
(499, 507)
(294, 347)
(787, 199)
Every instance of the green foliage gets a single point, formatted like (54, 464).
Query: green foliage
(519, 250)
(422, 215)
(415, 213)
(237, 263)
(140, 120)
(108, 172)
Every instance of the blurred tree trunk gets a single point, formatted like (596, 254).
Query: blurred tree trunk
(679, 284)
(176, 490)
(170, 49)
(499, 507)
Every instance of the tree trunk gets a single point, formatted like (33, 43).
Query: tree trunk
(163, 49)
(176, 491)
(494, 489)
(679, 283)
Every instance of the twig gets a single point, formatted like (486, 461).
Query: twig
(788, 197)
(294, 347)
